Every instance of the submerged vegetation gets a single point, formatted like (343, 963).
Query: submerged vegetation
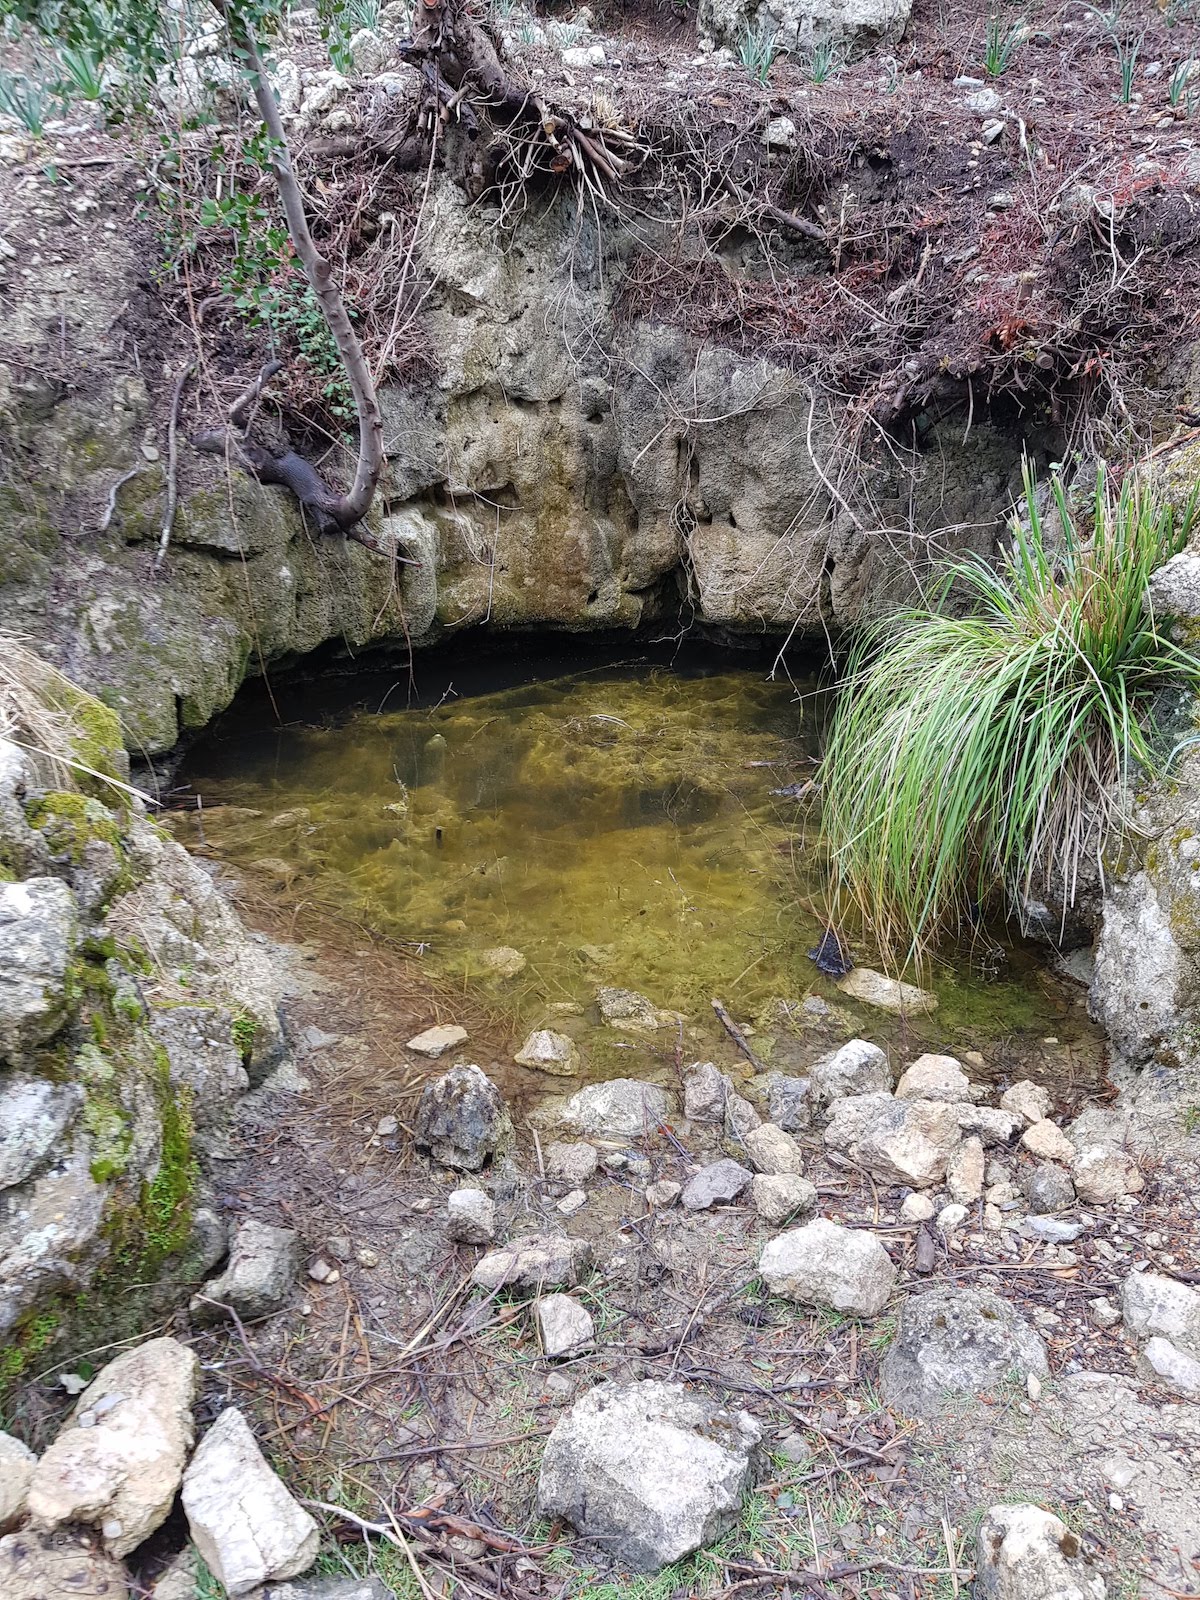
(987, 757)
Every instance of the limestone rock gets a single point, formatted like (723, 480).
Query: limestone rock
(538, 1260)
(933, 1077)
(202, 1056)
(1048, 1188)
(1025, 1553)
(1165, 1362)
(705, 1090)
(471, 1217)
(1153, 1304)
(47, 1240)
(17, 1462)
(825, 1264)
(58, 1566)
(789, 1101)
(887, 994)
(38, 934)
(547, 1051)
(964, 1175)
(571, 1163)
(1027, 1100)
(119, 1464)
(1102, 1174)
(917, 1208)
(799, 24)
(1047, 1141)
(951, 1217)
(34, 1114)
(340, 1588)
(629, 1011)
(773, 1151)
(367, 53)
(565, 1328)
(850, 1118)
(243, 1521)
(857, 1068)
(461, 1118)
(994, 1127)
(503, 961)
(623, 1108)
(778, 1196)
(264, 1263)
(720, 1180)
(436, 1041)
(650, 1470)
(909, 1141)
(953, 1342)
(662, 1194)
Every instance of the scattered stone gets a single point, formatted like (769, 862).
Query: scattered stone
(993, 1126)
(1025, 1553)
(1155, 1305)
(503, 961)
(470, 1217)
(780, 134)
(538, 1260)
(1053, 1230)
(795, 1447)
(1027, 1100)
(623, 1108)
(825, 1264)
(778, 1196)
(571, 1163)
(436, 1041)
(584, 55)
(705, 1089)
(367, 54)
(858, 1068)
(954, 1342)
(917, 1208)
(662, 1194)
(1048, 1188)
(985, 101)
(547, 1051)
(630, 1012)
(366, 1257)
(17, 1462)
(772, 1151)
(951, 1217)
(58, 1566)
(387, 1127)
(850, 1118)
(650, 1470)
(573, 1202)
(1047, 1141)
(964, 1174)
(887, 994)
(34, 1114)
(263, 1265)
(789, 1101)
(119, 1463)
(244, 1523)
(38, 934)
(1103, 1313)
(909, 1142)
(934, 1077)
(462, 1120)
(564, 1327)
(320, 1271)
(1103, 1174)
(1172, 1366)
(720, 1180)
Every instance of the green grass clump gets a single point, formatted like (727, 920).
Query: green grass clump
(978, 758)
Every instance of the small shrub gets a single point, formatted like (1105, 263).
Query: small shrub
(1179, 87)
(757, 50)
(991, 754)
(83, 72)
(27, 99)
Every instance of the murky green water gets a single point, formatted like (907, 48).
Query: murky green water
(618, 826)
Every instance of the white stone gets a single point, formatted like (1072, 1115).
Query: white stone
(1172, 1366)
(917, 1208)
(933, 1077)
(662, 1194)
(964, 1175)
(825, 1264)
(503, 961)
(565, 1328)
(850, 25)
(857, 1068)
(436, 1041)
(887, 994)
(1047, 1141)
(951, 1217)
(1027, 1100)
(264, 1263)
(118, 1465)
(39, 929)
(17, 1462)
(1102, 1174)
(548, 1051)
(719, 1181)
(243, 1521)
(34, 1114)
(67, 1565)
(994, 1127)
(909, 1142)
(571, 1203)
(570, 1163)
(1153, 1304)
(586, 55)
(622, 1108)
(773, 1151)
(535, 1261)
(1025, 1553)
(780, 134)
(470, 1217)
(778, 1196)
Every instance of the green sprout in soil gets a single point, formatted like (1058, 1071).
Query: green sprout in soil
(1001, 45)
(757, 50)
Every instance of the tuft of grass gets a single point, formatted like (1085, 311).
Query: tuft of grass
(1127, 54)
(983, 757)
(28, 100)
(758, 48)
(823, 62)
(1179, 86)
(1001, 45)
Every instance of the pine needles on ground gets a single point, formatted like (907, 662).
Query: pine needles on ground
(980, 758)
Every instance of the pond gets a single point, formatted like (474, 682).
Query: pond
(539, 828)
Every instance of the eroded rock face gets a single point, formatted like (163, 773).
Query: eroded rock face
(17, 1462)
(39, 929)
(34, 1114)
(853, 25)
(1025, 1553)
(953, 1342)
(461, 1119)
(650, 1470)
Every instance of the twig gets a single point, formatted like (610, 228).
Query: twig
(110, 509)
(736, 1034)
(172, 464)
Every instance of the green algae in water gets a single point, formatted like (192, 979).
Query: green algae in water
(617, 827)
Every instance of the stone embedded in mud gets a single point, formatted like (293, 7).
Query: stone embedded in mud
(650, 1470)
(461, 1118)
(720, 1180)
(789, 1101)
(778, 1196)
(120, 1462)
(39, 929)
(1025, 1553)
(773, 1151)
(908, 1141)
(1102, 1174)
(1047, 1141)
(547, 1051)
(933, 1077)
(1027, 1100)
(436, 1041)
(264, 1263)
(34, 1113)
(1167, 1363)
(58, 1566)
(17, 1462)
(539, 1260)
(631, 1012)
(565, 1328)
(571, 1163)
(503, 961)
(1153, 1304)
(471, 1217)
(887, 994)
(244, 1522)
(953, 1342)
(1048, 1188)
(825, 1264)
(622, 1108)
(857, 1068)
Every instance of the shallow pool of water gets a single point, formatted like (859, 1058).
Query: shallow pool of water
(640, 823)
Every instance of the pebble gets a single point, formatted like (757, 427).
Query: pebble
(320, 1271)
(573, 1202)
(916, 1208)
(662, 1194)
(951, 1216)
(1104, 1313)
(386, 1127)
(366, 1257)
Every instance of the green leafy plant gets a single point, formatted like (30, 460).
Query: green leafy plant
(1179, 87)
(1127, 54)
(27, 99)
(974, 757)
(1001, 45)
(823, 62)
(757, 51)
(83, 72)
